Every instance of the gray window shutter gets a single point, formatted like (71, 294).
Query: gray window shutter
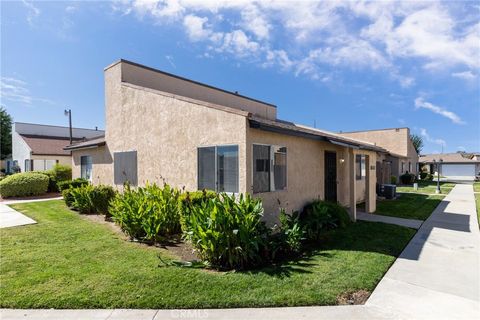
(125, 167)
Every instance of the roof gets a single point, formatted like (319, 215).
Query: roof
(46, 130)
(385, 129)
(451, 158)
(42, 145)
(188, 80)
(291, 128)
(91, 143)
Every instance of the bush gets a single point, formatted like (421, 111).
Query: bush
(148, 214)
(289, 239)
(67, 184)
(407, 178)
(228, 232)
(24, 184)
(189, 199)
(426, 176)
(318, 216)
(393, 180)
(89, 199)
(61, 172)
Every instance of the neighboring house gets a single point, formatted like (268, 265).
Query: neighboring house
(454, 166)
(401, 157)
(161, 127)
(39, 147)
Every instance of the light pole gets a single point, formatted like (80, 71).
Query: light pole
(69, 114)
(438, 174)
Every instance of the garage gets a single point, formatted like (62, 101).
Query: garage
(459, 171)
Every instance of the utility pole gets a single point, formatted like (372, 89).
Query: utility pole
(69, 114)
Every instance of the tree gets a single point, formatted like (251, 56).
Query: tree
(417, 142)
(5, 134)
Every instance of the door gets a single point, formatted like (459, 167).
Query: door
(330, 176)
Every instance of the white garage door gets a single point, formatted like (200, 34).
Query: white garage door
(459, 171)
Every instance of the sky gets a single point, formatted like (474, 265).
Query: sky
(343, 66)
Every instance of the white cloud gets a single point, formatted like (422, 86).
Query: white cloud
(16, 90)
(33, 12)
(318, 38)
(421, 103)
(426, 136)
(465, 75)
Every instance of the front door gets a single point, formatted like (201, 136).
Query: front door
(330, 176)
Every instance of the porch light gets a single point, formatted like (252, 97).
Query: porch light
(342, 160)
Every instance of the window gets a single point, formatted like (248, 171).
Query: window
(403, 167)
(28, 165)
(218, 168)
(409, 167)
(269, 168)
(360, 172)
(86, 167)
(125, 167)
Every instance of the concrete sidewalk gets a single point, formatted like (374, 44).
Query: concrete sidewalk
(435, 277)
(410, 223)
(12, 218)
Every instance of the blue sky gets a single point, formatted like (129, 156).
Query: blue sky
(345, 65)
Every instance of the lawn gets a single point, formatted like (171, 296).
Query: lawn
(68, 261)
(428, 187)
(476, 186)
(409, 205)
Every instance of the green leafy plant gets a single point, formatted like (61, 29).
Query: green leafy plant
(24, 184)
(319, 216)
(288, 239)
(426, 176)
(189, 199)
(227, 232)
(148, 213)
(75, 183)
(393, 180)
(89, 199)
(407, 178)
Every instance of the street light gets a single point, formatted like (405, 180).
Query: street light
(69, 114)
(438, 174)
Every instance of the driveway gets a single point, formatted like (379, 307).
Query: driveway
(435, 277)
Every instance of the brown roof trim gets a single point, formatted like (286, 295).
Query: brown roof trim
(92, 143)
(284, 127)
(186, 79)
(51, 154)
(39, 136)
(357, 131)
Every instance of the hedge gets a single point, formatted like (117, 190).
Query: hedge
(24, 184)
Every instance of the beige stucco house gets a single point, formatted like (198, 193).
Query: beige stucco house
(401, 157)
(161, 127)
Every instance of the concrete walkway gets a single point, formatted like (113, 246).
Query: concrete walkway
(410, 223)
(12, 218)
(435, 277)
(29, 200)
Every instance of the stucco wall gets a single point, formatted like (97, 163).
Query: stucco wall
(102, 164)
(305, 172)
(165, 132)
(20, 150)
(149, 78)
(65, 160)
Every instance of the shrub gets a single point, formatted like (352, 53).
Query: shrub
(148, 214)
(89, 199)
(67, 184)
(68, 197)
(426, 176)
(393, 180)
(290, 236)
(61, 172)
(407, 178)
(227, 232)
(189, 199)
(23, 184)
(318, 216)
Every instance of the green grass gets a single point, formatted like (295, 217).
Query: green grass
(476, 186)
(409, 205)
(66, 261)
(428, 187)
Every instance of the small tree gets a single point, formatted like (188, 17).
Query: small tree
(5, 134)
(417, 142)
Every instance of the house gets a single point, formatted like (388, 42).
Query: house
(454, 166)
(162, 127)
(39, 147)
(401, 157)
